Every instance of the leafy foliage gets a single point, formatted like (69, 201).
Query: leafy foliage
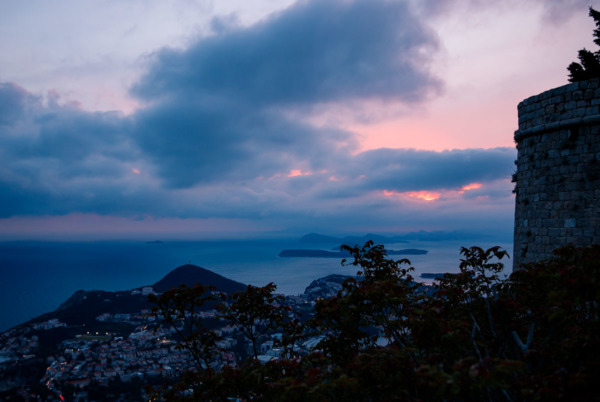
(181, 308)
(533, 336)
(589, 62)
(254, 312)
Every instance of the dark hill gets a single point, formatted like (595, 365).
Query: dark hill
(192, 274)
(85, 305)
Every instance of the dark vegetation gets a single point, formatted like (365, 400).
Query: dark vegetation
(83, 307)
(534, 336)
(589, 62)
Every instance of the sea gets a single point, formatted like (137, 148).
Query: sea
(37, 276)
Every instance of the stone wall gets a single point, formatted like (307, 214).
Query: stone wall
(557, 180)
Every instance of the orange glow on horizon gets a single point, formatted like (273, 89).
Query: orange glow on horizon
(424, 195)
(421, 195)
(434, 195)
(298, 172)
(472, 186)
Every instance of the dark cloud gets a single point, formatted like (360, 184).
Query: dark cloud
(407, 170)
(222, 24)
(222, 127)
(13, 101)
(410, 170)
(312, 52)
(217, 106)
(191, 144)
(58, 159)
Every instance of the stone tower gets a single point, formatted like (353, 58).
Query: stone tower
(557, 180)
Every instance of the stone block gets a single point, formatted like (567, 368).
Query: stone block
(588, 94)
(570, 105)
(553, 232)
(592, 110)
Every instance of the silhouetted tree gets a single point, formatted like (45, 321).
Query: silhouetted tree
(589, 62)
(533, 336)
(181, 307)
(254, 312)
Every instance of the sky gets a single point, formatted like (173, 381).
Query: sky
(232, 119)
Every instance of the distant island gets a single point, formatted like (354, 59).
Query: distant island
(422, 235)
(342, 254)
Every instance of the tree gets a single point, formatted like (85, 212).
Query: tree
(368, 306)
(181, 307)
(533, 336)
(589, 62)
(255, 311)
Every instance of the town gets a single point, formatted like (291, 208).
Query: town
(148, 355)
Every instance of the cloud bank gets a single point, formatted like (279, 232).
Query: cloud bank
(225, 132)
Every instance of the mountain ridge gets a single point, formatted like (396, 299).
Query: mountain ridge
(83, 306)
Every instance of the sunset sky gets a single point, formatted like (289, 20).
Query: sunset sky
(231, 118)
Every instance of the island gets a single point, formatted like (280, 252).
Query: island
(308, 253)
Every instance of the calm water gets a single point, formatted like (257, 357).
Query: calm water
(36, 277)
